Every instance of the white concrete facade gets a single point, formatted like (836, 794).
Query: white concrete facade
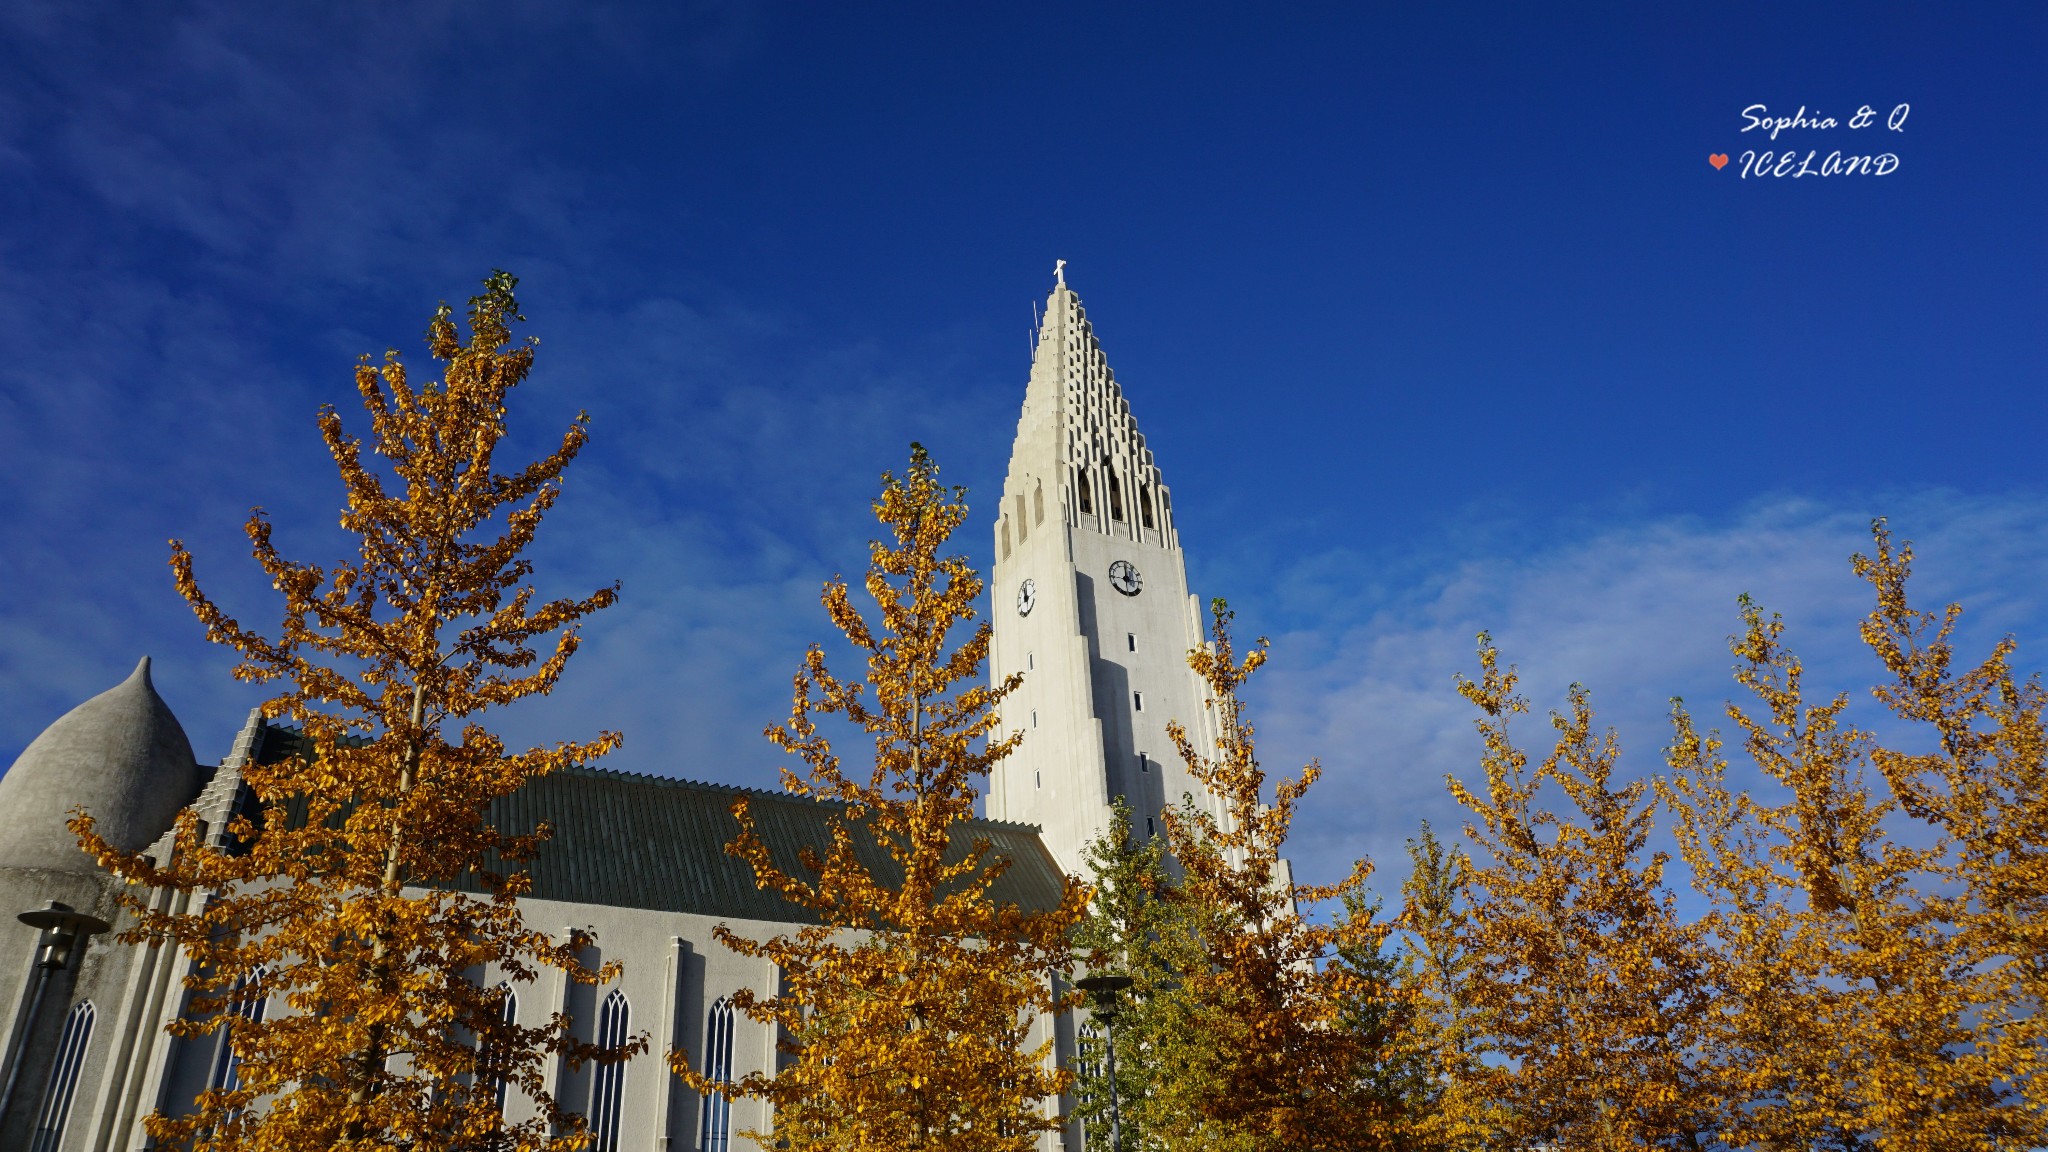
(1103, 656)
(675, 973)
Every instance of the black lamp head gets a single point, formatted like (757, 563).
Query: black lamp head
(1104, 987)
(61, 928)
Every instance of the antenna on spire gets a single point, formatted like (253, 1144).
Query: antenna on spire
(1059, 273)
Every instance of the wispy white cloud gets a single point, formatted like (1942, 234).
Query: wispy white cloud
(267, 198)
(732, 460)
(1638, 611)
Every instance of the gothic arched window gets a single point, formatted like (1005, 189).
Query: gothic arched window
(226, 1075)
(607, 1094)
(717, 1126)
(63, 1084)
(508, 1012)
(1088, 1066)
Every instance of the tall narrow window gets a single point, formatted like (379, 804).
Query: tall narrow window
(1116, 497)
(1023, 524)
(607, 1094)
(1144, 763)
(717, 1127)
(1137, 701)
(1034, 717)
(1087, 496)
(1148, 826)
(1030, 661)
(1089, 1066)
(1038, 503)
(508, 1014)
(1131, 641)
(1006, 537)
(1145, 503)
(226, 1075)
(56, 1109)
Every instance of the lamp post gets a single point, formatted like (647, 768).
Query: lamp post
(62, 931)
(1104, 989)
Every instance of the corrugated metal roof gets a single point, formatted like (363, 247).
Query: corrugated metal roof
(634, 841)
(652, 842)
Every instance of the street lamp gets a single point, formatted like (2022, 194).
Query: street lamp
(62, 929)
(1104, 989)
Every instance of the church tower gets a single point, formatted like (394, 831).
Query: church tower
(1091, 606)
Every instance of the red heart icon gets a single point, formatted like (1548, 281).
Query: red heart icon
(1719, 160)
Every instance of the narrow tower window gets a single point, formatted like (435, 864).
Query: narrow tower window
(56, 1109)
(1034, 717)
(1148, 826)
(1006, 537)
(1145, 503)
(1030, 661)
(1116, 497)
(608, 1095)
(1023, 526)
(1038, 503)
(716, 1134)
(1037, 779)
(1087, 496)
(1144, 763)
(1131, 639)
(1137, 701)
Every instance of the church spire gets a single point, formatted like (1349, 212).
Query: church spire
(1078, 454)
(1091, 607)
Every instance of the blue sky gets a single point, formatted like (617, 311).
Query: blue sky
(1436, 316)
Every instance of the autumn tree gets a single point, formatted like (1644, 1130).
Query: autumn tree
(341, 897)
(1284, 1074)
(1878, 989)
(909, 1008)
(1770, 1080)
(1982, 785)
(1587, 981)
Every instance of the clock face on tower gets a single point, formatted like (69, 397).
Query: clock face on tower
(1125, 578)
(1027, 596)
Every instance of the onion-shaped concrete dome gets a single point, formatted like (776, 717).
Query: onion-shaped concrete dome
(121, 756)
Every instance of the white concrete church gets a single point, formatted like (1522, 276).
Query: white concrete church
(1090, 603)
